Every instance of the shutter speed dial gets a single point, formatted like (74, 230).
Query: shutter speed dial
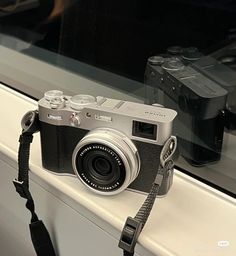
(80, 101)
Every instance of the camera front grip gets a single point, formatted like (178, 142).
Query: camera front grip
(133, 226)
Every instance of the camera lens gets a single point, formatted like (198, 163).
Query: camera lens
(106, 161)
(102, 166)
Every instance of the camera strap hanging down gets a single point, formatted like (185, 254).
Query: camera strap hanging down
(134, 226)
(39, 235)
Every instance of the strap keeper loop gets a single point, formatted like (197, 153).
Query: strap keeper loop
(130, 234)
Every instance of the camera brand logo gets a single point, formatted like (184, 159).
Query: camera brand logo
(52, 117)
(99, 147)
(155, 114)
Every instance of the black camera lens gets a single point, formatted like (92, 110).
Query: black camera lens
(100, 167)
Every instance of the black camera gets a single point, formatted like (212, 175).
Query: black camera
(226, 57)
(194, 91)
(219, 66)
(108, 144)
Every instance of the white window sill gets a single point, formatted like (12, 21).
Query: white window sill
(189, 221)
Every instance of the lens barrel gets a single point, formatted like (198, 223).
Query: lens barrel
(106, 161)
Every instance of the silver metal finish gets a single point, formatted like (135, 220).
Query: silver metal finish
(168, 150)
(75, 120)
(53, 94)
(80, 101)
(57, 103)
(111, 113)
(118, 142)
(157, 105)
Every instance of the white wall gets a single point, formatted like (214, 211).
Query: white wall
(72, 233)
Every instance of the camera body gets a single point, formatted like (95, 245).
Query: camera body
(226, 78)
(219, 66)
(109, 144)
(199, 100)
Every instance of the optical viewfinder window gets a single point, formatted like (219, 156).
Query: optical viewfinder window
(144, 130)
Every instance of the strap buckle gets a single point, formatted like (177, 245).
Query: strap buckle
(168, 151)
(129, 235)
(21, 188)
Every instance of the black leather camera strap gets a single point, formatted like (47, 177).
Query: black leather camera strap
(40, 237)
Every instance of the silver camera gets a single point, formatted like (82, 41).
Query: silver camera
(109, 144)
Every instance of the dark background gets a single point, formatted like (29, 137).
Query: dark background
(119, 36)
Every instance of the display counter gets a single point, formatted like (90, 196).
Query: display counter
(192, 220)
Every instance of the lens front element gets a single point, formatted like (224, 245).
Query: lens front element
(100, 167)
(105, 162)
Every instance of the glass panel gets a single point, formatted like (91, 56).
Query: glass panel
(178, 53)
(195, 74)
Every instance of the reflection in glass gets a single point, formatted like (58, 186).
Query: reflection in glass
(184, 51)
